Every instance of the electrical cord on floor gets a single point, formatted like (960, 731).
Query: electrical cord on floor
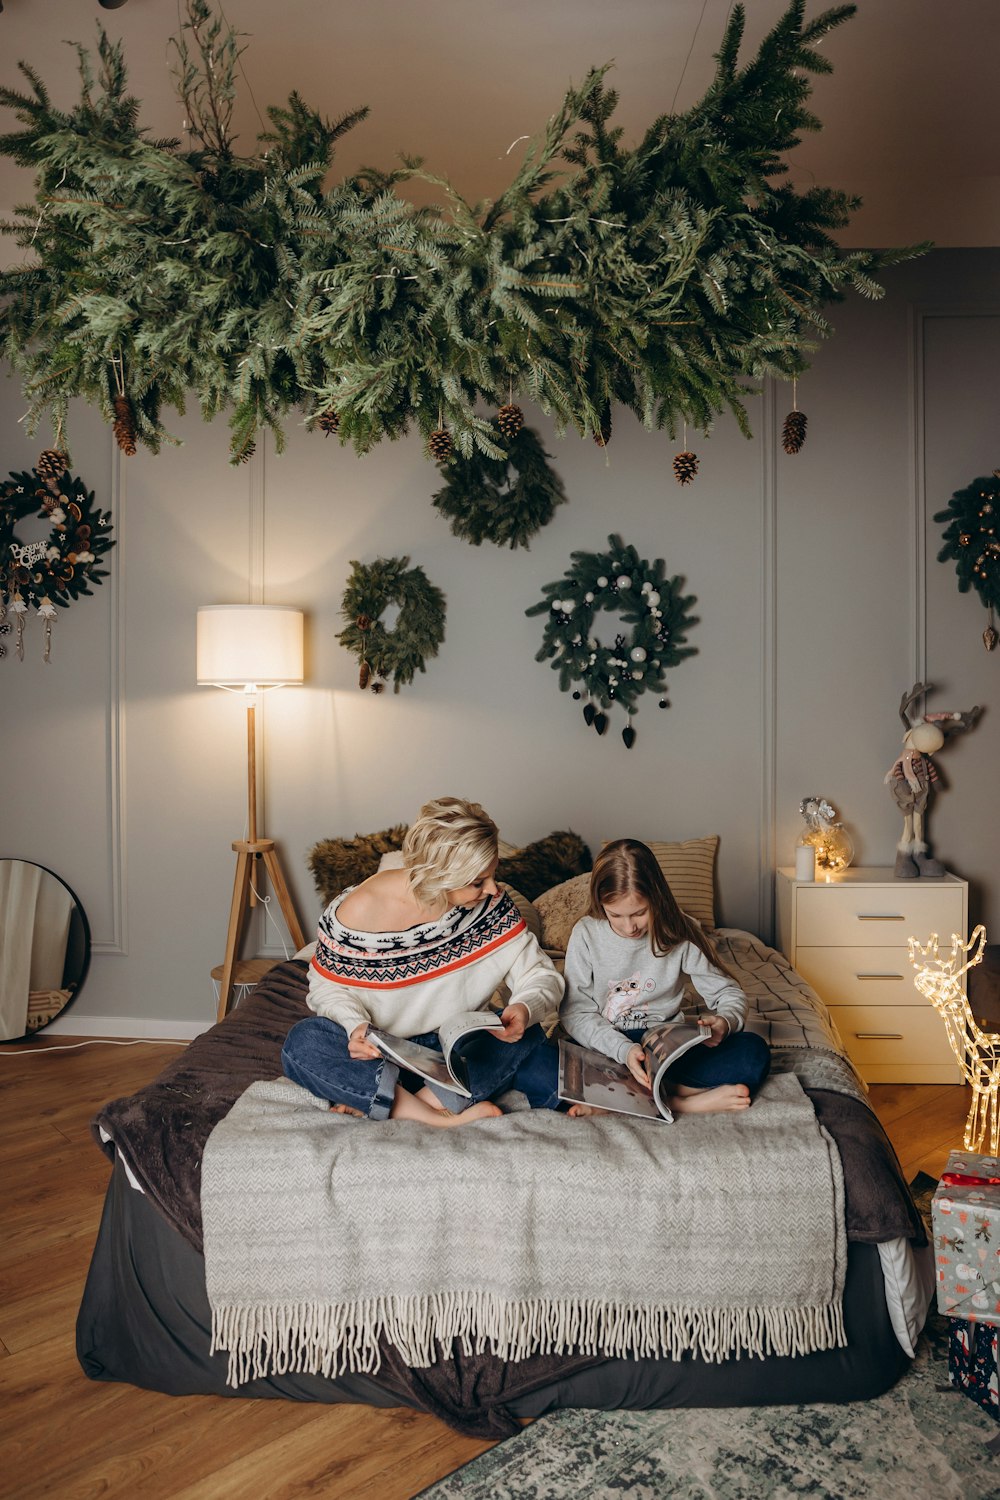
(96, 1041)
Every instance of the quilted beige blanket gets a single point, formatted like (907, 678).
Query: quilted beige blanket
(533, 1233)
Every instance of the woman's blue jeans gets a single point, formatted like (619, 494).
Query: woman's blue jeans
(743, 1057)
(315, 1055)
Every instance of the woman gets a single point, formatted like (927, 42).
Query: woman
(409, 948)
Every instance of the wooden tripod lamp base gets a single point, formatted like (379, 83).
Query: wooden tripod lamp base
(248, 854)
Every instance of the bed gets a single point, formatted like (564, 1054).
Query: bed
(145, 1317)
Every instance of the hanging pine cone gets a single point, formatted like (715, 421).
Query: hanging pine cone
(603, 437)
(124, 425)
(328, 421)
(793, 434)
(364, 622)
(685, 466)
(440, 445)
(364, 675)
(245, 454)
(52, 463)
(510, 420)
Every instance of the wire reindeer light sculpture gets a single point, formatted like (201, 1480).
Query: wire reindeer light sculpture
(939, 980)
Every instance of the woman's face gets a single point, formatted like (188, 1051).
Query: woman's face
(472, 894)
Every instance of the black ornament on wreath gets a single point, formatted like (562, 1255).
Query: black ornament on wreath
(645, 600)
(399, 653)
(501, 500)
(50, 572)
(972, 540)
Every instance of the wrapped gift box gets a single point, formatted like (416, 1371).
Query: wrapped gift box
(965, 1211)
(972, 1363)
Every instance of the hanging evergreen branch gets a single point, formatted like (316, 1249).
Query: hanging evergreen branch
(668, 278)
(502, 500)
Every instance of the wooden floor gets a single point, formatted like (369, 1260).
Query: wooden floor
(64, 1436)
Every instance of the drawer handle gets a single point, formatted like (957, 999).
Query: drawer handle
(880, 917)
(879, 1036)
(878, 976)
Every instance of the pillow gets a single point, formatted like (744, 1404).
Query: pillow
(539, 866)
(560, 908)
(689, 869)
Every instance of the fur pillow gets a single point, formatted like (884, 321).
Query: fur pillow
(560, 908)
(539, 866)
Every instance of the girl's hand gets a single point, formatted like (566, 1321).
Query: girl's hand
(515, 1022)
(635, 1061)
(358, 1047)
(716, 1029)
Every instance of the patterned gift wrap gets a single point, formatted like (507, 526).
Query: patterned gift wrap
(972, 1363)
(966, 1223)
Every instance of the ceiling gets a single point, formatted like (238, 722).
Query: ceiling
(909, 113)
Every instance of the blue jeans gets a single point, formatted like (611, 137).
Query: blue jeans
(315, 1055)
(743, 1057)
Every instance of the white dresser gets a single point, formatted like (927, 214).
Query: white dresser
(848, 938)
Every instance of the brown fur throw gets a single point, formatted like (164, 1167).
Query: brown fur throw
(338, 863)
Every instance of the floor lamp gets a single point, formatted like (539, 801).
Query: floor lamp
(244, 648)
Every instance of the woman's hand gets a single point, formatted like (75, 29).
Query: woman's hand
(716, 1029)
(359, 1047)
(515, 1022)
(635, 1061)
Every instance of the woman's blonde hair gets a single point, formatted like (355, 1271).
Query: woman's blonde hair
(451, 843)
(627, 867)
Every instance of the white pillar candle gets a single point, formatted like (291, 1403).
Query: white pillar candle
(805, 862)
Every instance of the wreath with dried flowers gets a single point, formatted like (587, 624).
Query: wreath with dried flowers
(49, 572)
(419, 629)
(648, 602)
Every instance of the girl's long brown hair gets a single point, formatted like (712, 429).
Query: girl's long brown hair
(627, 867)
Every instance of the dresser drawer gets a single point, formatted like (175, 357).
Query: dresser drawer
(859, 916)
(859, 976)
(893, 1034)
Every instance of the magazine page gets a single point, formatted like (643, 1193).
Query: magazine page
(588, 1077)
(663, 1045)
(454, 1032)
(416, 1058)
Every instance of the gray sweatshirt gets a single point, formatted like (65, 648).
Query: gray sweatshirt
(616, 984)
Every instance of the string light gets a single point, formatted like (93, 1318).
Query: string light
(939, 980)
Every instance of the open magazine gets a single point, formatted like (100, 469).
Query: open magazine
(447, 1068)
(588, 1077)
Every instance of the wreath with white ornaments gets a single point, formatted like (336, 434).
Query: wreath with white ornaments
(47, 573)
(655, 618)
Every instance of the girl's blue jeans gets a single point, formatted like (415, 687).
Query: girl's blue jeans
(315, 1055)
(743, 1057)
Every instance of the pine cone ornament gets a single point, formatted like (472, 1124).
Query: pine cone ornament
(364, 675)
(245, 454)
(328, 421)
(510, 420)
(364, 622)
(603, 437)
(685, 466)
(793, 434)
(52, 463)
(440, 445)
(124, 425)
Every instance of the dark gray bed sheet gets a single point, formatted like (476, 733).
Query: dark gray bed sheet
(145, 1320)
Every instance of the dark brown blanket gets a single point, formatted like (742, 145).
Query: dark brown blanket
(160, 1133)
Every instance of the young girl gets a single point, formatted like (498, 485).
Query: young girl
(626, 964)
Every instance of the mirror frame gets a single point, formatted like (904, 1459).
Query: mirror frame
(27, 1035)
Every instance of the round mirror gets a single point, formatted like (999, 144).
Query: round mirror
(44, 947)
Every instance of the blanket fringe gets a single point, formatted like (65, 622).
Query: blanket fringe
(333, 1339)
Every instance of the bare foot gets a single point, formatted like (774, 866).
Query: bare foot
(346, 1109)
(584, 1111)
(728, 1098)
(484, 1111)
(428, 1095)
(408, 1106)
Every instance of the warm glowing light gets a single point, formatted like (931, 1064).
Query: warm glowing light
(978, 1052)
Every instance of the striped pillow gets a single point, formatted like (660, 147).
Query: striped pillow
(689, 869)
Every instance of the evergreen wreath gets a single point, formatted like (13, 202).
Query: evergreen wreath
(504, 500)
(972, 540)
(651, 604)
(51, 572)
(419, 630)
(670, 278)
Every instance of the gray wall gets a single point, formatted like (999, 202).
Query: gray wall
(819, 599)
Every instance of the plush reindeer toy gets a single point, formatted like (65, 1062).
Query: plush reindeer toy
(913, 775)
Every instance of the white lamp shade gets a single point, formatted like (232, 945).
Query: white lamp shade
(239, 644)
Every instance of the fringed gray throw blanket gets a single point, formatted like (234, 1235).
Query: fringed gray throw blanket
(722, 1235)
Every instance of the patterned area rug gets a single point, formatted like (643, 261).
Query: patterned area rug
(915, 1441)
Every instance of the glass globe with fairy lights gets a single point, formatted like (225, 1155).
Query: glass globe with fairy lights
(832, 844)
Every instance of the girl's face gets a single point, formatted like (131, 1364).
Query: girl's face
(472, 894)
(628, 915)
